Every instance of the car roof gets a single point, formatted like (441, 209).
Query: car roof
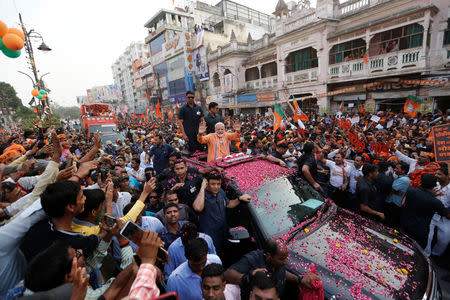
(249, 172)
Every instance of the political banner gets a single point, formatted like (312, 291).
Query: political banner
(441, 134)
(201, 65)
(105, 94)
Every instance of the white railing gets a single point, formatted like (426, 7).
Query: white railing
(302, 76)
(352, 6)
(387, 62)
(348, 68)
(299, 22)
(268, 82)
(376, 63)
(410, 57)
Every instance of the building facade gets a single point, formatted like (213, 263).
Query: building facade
(179, 40)
(123, 75)
(374, 49)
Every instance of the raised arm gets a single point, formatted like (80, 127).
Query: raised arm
(91, 154)
(199, 202)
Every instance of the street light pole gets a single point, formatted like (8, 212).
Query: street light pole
(29, 49)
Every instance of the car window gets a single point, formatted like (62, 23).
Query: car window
(280, 205)
(102, 128)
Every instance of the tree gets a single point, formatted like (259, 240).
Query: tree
(71, 112)
(8, 97)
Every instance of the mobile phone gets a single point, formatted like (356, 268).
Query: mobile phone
(110, 221)
(148, 175)
(69, 162)
(168, 296)
(132, 232)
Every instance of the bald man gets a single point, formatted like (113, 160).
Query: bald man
(218, 142)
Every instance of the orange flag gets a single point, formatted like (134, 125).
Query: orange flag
(170, 113)
(158, 110)
(299, 114)
(410, 108)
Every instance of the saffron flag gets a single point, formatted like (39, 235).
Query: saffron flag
(299, 114)
(341, 106)
(278, 117)
(360, 107)
(411, 106)
(366, 57)
(158, 110)
(170, 113)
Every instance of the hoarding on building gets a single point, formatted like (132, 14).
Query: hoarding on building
(201, 65)
(82, 100)
(228, 83)
(106, 94)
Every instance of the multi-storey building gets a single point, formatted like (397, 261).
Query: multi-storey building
(337, 46)
(178, 40)
(124, 76)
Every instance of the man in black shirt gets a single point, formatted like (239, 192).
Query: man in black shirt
(420, 206)
(366, 194)
(307, 166)
(273, 260)
(185, 183)
(213, 117)
(190, 116)
(280, 150)
(61, 201)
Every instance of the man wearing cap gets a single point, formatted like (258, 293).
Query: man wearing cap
(218, 142)
(128, 156)
(110, 149)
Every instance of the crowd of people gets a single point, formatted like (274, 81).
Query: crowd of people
(68, 201)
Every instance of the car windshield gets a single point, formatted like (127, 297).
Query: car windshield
(282, 203)
(102, 128)
(111, 137)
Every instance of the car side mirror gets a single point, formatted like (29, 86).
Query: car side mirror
(238, 234)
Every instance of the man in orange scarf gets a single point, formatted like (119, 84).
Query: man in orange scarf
(218, 142)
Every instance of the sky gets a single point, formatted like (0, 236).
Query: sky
(86, 37)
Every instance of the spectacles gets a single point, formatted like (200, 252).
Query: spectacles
(154, 197)
(78, 253)
(190, 97)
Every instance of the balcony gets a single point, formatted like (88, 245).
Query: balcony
(379, 64)
(263, 83)
(302, 76)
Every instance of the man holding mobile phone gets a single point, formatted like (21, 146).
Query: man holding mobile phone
(144, 286)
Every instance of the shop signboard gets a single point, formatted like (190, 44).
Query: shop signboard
(246, 98)
(266, 97)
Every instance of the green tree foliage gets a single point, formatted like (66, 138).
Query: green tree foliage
(22, 114)
(8, 96)
(71, 112)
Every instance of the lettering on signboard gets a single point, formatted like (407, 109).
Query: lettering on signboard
(441, 134)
